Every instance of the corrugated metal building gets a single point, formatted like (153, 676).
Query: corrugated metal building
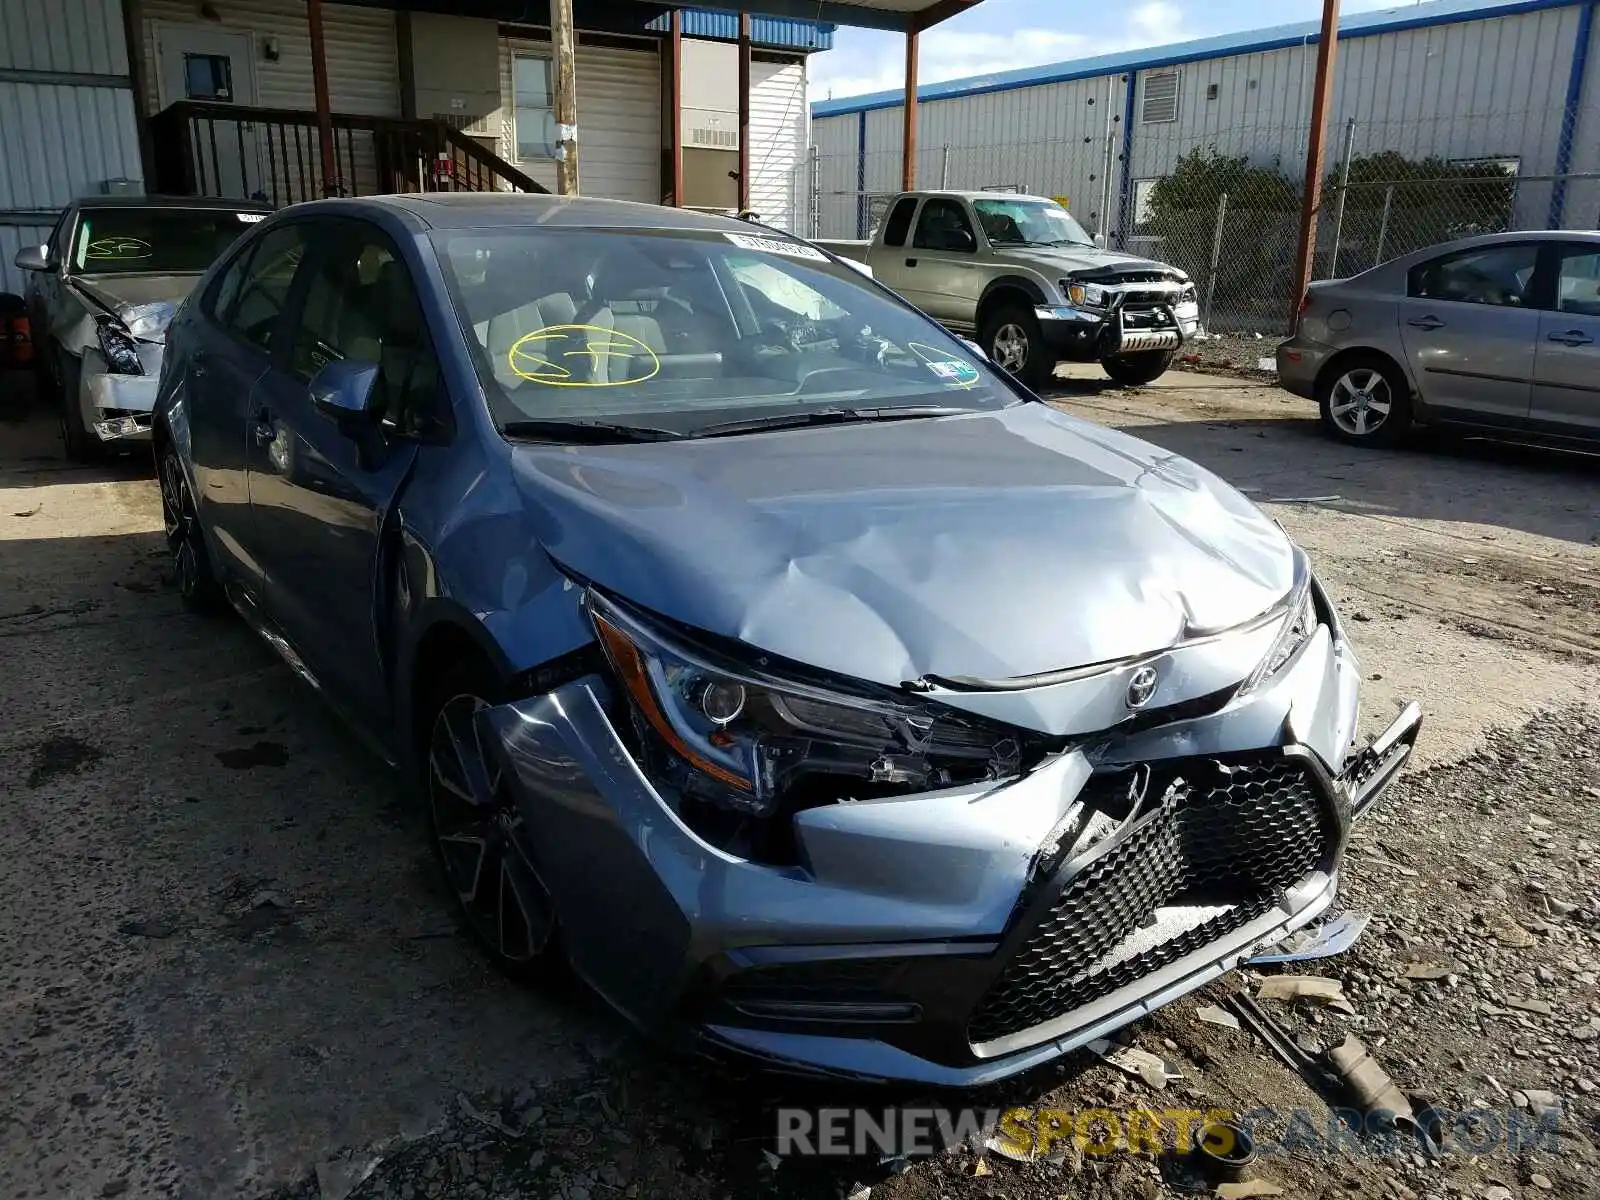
(1512, 82)
(67, 116)
(71, 111)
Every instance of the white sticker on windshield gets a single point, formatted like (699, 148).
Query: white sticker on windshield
(776, 246)
(251, 218)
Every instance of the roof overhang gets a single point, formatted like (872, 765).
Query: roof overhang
(621, 16)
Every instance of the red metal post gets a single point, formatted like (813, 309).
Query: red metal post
(744, 111)
(908, 144)
(677, 107)
(319, 85)
(1322, 90)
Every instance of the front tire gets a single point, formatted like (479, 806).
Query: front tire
(478, 834)
(1012, 339)
(80, 443)
(1365, 401)
(1136, 370)
(197, 582)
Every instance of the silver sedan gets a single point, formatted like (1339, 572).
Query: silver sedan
(1499, 332)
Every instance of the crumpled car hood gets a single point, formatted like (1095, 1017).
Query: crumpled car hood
(997, 545)
(121, 292)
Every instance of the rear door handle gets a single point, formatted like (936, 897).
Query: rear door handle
(1572, 337)
(1428, 322)
(197, 363)
(911, 262)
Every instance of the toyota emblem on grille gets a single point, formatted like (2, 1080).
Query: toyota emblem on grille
(1142, 686)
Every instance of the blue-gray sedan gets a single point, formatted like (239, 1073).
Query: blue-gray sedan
(818, 693)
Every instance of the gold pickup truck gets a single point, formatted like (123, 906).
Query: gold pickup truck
(1020, 275)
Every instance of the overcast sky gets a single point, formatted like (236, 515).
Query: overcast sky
(1001, 35)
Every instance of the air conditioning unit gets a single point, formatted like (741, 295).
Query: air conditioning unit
(710, 129)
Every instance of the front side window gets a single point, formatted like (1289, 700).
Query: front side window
(265, 291)
(535, 118)
(360, 304)
(159, 241)
(680, 331)
(943, 225)
(1578, 282)
(1029, 223)
(1497, 275)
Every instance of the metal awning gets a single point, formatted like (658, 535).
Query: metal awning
(901, 16)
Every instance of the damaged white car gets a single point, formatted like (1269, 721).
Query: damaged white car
(103, 289)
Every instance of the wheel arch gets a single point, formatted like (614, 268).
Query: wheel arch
(1005, 290)
(446, 636)
(1341, 362)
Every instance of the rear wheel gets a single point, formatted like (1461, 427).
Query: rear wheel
(479, 836)
(197, 583)
(1136, 370)
(1365, 401)
(1013, 341)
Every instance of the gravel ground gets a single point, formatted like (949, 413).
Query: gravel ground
(233, 975)
(1234, 354)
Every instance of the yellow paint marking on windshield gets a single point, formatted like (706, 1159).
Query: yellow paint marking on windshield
(118, 248)
(533, 356)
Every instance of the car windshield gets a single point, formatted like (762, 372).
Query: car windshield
(159, 241)
(1013, 222)
(677, 333)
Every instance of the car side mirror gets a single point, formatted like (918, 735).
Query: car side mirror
(34, 258)
(343, 391)
(1100, 240)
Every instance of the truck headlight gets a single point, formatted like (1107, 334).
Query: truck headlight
(1087, 295)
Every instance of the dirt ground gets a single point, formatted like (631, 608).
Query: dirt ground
(229, 971)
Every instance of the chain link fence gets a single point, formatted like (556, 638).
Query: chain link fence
(1227, 209)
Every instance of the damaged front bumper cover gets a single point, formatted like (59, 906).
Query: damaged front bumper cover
(957, 937)
(118, 407)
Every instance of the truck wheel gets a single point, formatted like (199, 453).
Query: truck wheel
(1135, 370)
(1013, 342)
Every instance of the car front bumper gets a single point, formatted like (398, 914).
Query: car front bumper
(118, 408)
(1089, 335)
(956, 937)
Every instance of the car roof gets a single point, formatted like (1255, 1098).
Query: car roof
(957, 194)
(217, 203)
(478, 210)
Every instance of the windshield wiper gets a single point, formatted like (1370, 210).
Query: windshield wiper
(586, 432)
(825, 416)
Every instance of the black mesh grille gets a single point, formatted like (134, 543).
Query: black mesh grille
(1226, 833)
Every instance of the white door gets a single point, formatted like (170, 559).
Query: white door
(217, 67)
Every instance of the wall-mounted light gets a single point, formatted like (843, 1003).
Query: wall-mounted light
(271, 49)
(208, 12)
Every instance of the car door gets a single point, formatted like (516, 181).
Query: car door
(320, 491)
(943, 262)
(889, 263)
(221, 355)
(1566, 362)
(1469, 323)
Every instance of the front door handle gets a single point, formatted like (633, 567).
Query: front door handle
(1572, 337)
(197, 364)
(1428, 322)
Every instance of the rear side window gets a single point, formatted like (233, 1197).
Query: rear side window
(1496, 275)
(264, 292)
(894, 233)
